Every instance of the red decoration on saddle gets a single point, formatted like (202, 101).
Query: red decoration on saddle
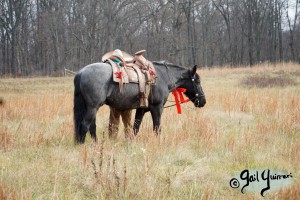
(152, 72)
(119, 75)
(178, 94)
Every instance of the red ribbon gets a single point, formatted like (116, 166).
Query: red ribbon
(179, 98)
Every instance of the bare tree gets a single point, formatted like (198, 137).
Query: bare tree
(292, 25)
(11, 17)
(45, 36)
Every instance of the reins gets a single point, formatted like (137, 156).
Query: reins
(175, 103)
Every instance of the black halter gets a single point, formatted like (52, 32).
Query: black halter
(173, 84)
(196, 88)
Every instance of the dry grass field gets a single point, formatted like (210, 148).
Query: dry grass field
(251, 121)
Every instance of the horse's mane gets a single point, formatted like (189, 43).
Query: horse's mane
(164, 62)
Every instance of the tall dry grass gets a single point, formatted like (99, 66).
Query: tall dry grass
(196, 155)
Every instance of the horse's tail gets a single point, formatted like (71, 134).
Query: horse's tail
(79, 109)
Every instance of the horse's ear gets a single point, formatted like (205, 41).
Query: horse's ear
(194, 70)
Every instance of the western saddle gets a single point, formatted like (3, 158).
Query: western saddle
(132, 69)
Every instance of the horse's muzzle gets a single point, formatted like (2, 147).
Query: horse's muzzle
(200, 102)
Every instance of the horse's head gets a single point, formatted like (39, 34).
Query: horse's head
(193, 88)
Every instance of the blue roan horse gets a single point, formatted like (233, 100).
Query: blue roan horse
(94, 87)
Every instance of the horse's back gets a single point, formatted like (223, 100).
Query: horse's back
(96, 70)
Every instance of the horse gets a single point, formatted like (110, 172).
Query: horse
(94, 87)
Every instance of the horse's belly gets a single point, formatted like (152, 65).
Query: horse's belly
(126, 98)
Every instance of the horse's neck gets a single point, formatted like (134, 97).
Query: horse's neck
(172, 75)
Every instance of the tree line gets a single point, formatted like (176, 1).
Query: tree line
(42, 37)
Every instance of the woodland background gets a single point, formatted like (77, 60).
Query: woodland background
(42, 37)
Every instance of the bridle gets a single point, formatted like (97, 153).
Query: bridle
(196, 88)
(173, 86)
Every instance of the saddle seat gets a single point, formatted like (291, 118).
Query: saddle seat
(132, 69)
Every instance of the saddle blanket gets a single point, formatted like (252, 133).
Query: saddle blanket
(123, 74)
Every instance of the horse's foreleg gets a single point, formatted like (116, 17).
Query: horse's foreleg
(140, 112)
(156, 112)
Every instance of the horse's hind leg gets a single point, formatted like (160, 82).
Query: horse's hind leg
(88, 124)
(93, 130)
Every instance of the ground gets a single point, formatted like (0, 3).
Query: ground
(243, 126)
